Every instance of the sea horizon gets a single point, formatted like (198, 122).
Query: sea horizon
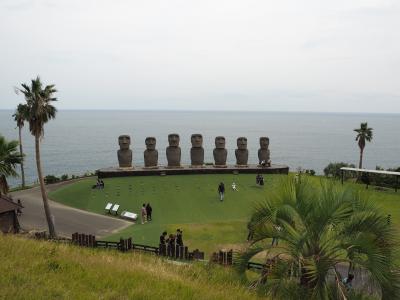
(78, 141)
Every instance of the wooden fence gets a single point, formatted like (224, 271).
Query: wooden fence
(124, 245)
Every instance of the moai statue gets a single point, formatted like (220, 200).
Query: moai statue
(150, 154)
(220, 153)
(197, 150)
(124, 153)
(241, 153)
(263, 153)
(173, 151)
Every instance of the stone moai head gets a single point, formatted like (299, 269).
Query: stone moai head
(197, 140)
(220, 142)
(264, 142)
(124, 141)
(241, 143)
(173, 139)
(150, 143)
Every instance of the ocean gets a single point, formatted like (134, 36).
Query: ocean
(83, 140)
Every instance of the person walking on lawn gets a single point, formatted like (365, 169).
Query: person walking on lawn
(149, 210)
(221, 191)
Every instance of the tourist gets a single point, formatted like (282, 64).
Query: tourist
(163, 244)
(234, 188)
(179, 238)
(275, 239)
(19, 211)
(162, 238)
(149, 210)
(97, 185)
(144, 214)
(221, 191)
(347, 281)
(171, 245)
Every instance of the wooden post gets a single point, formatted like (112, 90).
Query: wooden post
(342, 171)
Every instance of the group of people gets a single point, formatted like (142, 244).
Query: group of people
(146, 213)
(221, 186)
(173, 239)
(259, 180)
(99, 184)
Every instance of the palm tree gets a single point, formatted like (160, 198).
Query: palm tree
(364, 133)
(20, 116)
(9, 158)
(323, 230)
(39, 111)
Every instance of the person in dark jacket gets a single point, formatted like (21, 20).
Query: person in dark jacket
(179, 238)
(171, 245)
(149, 210)
(163, 244)
(162, 238)
(221, 191)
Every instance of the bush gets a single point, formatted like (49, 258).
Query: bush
(310, 172)
(384, 180)
(49, 179)
(64, 177)
(333, 170)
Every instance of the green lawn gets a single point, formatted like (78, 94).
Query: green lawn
(190, 202)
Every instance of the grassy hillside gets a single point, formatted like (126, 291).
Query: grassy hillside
(191, 202)
(32, 269)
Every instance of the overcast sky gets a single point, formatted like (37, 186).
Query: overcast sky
(341, 55)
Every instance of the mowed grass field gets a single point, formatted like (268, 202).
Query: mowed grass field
(188, 202)
(191, 203)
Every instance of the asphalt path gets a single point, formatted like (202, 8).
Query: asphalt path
(67, 219)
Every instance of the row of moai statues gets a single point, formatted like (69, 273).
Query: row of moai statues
(173, 152)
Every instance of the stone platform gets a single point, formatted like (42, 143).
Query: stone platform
(141, 171)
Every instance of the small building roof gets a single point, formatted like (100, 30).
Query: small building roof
(7, 204)
(382, 172)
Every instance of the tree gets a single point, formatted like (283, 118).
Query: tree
(322, 228)
(364, 134)
(20, 116)
(9, 159)
(333, 169)
(39, 111)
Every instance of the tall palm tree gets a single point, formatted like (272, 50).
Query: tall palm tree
(9, 158)
(323, 230)
(364, 134)
(20, 116)
(40, 110)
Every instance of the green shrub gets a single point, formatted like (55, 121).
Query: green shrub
(333, 170)
(64, 177)
(49, 179)
(383, 180)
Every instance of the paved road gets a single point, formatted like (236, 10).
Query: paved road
(67, 219)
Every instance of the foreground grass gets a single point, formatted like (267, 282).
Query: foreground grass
(32, 269)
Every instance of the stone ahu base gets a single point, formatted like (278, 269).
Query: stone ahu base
(141, 171)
